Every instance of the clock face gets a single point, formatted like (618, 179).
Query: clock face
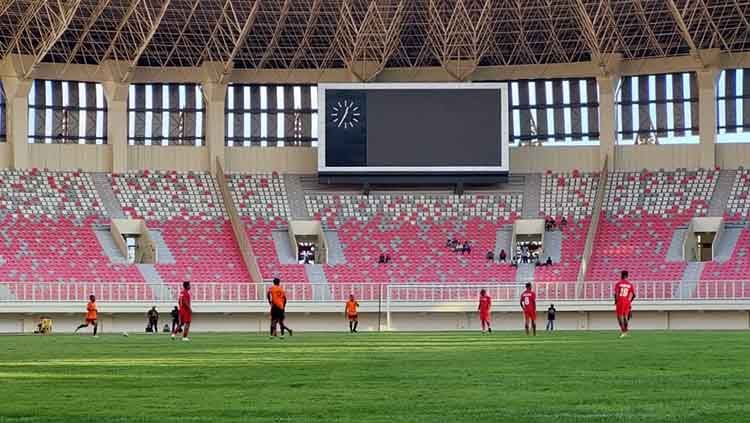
(345, 114)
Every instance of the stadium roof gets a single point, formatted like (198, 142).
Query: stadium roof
(321, 34)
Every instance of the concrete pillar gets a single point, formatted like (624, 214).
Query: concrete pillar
(707, 115)
(117, 123)
(17, 119)
(607, 117)
(215, 96)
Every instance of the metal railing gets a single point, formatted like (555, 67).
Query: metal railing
(391, 293)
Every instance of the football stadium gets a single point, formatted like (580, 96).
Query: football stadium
(374, 210)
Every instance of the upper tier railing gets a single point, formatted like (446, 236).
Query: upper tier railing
(28, 292)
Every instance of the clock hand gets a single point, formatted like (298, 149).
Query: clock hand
(346, 112)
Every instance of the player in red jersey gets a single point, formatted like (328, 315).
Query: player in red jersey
(624, 296)
(528, 305)
(186, 311)
(485, 303)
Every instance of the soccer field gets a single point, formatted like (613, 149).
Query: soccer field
(378, 377)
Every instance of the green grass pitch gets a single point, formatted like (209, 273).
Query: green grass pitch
(378, 377)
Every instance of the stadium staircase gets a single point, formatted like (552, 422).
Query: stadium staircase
(722, 192)
(317, 277)
(283, 247)
(675, 252)
(335, 251)
(503, 238)
(155, 282)
(727, 241)
(109, 247)
(296, 196)
(6, 294)
(111, 204)
(163, 253)
(525, 272)
(689, 281)
(552, 245)
(531, 195)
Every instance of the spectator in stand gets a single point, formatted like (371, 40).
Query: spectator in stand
(514, 261)
(551, 318)
(381, 259)
(466, 248)
(563, 222)
(502, 256)
(448, 243)
(548, 262)
(524, 256)
(387, 258)
(490, 256)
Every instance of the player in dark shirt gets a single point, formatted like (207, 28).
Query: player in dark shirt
(551, 317)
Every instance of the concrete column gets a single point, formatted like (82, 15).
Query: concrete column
(215, 96)
(17, 119)
(607, 117)
(117, 123)
(707, 115)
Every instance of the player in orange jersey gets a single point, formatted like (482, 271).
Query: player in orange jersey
(277, 299)
(91, 316)
(351, 309)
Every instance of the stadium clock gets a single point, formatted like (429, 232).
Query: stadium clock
(345, 114)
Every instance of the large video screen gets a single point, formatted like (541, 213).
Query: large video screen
(420, 128)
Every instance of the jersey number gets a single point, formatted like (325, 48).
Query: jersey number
(526, 300)
(624, 291)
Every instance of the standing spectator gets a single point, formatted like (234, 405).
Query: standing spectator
(502, 256)
(175, 319)
(551, 318)
(153, 320)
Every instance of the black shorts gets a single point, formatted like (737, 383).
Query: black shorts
(277, 313)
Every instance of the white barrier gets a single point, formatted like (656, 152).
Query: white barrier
(64, 292)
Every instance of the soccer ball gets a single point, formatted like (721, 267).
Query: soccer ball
(125, 334)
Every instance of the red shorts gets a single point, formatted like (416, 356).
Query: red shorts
(484, 316)
(529, 314)
(353, 317)
(90, 321)
(622, 309)
(185, 317)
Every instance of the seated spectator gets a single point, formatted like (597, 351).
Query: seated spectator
(381, 259)
(466, 248)
(537, 260)
(387, 258)
(563, 222)
(449, 243)
(502, 256)
(490, 256)
(548, 262)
